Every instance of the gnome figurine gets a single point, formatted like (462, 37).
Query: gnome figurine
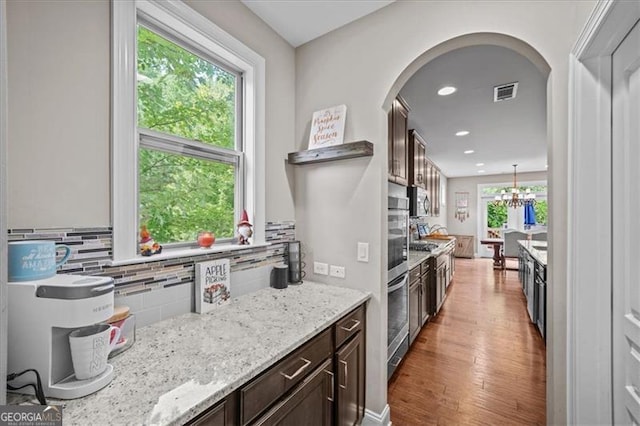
(244, 229)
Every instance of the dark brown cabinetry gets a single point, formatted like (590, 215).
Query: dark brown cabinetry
(320, 383)
(433, 186)
(415, 318)
(398, 137)
(350, 367)
(311, 403)
(425, 301)
(419, 298)
(417, 160)
(224, 413)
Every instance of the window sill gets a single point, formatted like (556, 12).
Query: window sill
(189, 252)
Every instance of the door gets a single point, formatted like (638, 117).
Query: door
(415, 317)
(350, 377)
(311, 403)
(626, 229)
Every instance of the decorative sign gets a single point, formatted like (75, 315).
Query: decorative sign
(213, 284)
(462, 206)
(327, 127)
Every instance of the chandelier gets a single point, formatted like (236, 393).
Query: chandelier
(516, 198)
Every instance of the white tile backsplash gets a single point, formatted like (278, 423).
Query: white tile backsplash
(164, 303)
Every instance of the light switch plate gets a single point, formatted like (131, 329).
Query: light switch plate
(320, 268)
(337, 271)
(363, 252)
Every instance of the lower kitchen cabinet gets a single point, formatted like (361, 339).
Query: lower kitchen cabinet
(464, 246)
(425, 296)
(311, 403)
(320, 383)
(350, 367)
(415, 317)
(224, 413)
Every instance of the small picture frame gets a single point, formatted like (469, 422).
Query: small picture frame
(213, 284)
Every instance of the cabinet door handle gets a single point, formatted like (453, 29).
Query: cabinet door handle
(355, 325)
(299, 371)
(330, 398)
(346, 373)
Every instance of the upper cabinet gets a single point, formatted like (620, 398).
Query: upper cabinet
(417, 160)
(433, 187)
(398, 140)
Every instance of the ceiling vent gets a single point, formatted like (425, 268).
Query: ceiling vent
(505, 92)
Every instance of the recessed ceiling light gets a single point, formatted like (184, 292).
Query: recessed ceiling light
(446, 90)
(469, 151)
(462, 133)
(480, 171)
(479, 164)
(546, 165)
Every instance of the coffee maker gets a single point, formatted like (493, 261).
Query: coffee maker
(42, 313)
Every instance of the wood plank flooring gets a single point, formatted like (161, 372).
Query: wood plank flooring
(480, 361)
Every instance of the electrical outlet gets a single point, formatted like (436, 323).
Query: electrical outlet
(320, 268)
(363, 252)
(337, 271)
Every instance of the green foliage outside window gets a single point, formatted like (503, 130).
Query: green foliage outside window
(182, 94)
(541, 208)
(496, 215)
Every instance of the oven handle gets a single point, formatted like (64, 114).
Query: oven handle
(399, 285)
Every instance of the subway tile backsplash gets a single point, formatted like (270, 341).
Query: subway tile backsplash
(161, 289)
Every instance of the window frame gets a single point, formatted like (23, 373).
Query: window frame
(184, 24)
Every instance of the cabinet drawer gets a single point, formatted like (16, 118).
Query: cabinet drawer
(349, 326)
(270, 386)
(414, 274)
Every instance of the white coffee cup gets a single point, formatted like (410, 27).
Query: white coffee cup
(90, 347)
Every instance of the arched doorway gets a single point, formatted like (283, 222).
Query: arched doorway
(475, 40)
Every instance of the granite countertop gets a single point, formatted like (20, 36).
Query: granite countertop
(537, 250)
(179, 367)
(416, 257)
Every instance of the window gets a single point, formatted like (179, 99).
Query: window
(187, 128)
(190, 175)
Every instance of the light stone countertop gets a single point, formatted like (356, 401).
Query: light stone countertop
(532, 247)
(416, 257)
(179, 367)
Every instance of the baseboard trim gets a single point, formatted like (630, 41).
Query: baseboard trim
(371, 418)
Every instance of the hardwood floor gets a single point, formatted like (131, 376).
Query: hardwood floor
(480, 361)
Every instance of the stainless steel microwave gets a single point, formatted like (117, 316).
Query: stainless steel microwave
(419, 203)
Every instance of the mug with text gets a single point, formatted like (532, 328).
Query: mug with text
(90, 347)
(35, 260)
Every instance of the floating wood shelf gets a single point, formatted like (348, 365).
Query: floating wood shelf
(332, 153)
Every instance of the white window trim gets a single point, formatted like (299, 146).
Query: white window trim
(124, 146)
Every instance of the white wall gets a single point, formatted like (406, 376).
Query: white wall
(358, 65)
(59, 77)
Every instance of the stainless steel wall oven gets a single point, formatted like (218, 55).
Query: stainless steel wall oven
(397, 282)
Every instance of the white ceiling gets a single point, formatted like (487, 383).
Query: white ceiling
(301, 21)
(501, 134)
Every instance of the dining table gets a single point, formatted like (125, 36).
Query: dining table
(498, 257)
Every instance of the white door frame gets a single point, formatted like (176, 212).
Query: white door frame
(3, 201)
(589, 282)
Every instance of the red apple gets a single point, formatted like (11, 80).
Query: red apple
(206, 239)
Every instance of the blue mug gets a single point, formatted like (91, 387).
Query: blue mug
(34, 260)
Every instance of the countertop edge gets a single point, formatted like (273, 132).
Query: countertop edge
(529, 246)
